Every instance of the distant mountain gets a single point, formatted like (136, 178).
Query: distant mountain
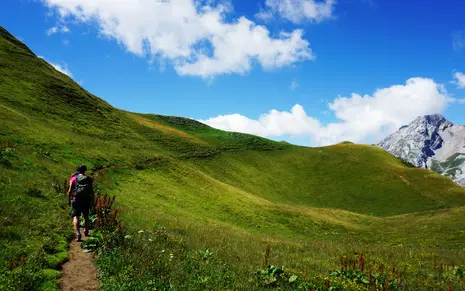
(431, 142)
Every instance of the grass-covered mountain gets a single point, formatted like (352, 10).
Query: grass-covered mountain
(431, 142)
(232, 193)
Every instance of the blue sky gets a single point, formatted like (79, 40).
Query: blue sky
(229, 63)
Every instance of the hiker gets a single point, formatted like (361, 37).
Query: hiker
(80, 196)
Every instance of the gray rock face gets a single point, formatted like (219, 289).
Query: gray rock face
(431, 142)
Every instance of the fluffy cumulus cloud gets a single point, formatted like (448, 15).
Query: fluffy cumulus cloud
(197, 37)
(459, 79)
(367, 118)
(298, 11)
(60, 68)
(274, 123)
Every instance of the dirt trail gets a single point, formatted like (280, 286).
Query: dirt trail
(79, 273)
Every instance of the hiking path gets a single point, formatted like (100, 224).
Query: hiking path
(79, 273)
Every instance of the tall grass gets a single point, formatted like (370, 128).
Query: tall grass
(164, 259)
(34, 232)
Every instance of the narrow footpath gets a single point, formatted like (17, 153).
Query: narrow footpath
(79, 273)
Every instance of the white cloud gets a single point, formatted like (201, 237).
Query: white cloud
(55, 29)
(51, 31)
(361, 118)
(298, 11)
(272, 124)
(459, 79)
(265, 15)
(196, 37)
(61, 68)
(294, 85)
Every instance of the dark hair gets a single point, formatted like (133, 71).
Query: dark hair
(82, 168)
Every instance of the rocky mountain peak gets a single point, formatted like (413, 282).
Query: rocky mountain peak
(431, 142)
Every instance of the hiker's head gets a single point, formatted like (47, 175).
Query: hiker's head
(82, 169)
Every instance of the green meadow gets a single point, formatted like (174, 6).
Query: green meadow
(199, 206)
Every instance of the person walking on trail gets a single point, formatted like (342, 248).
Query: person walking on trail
(80, 196)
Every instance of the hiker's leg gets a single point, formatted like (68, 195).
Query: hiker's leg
(76, 224)
(86, 225)
(85, 212)
(76, 213)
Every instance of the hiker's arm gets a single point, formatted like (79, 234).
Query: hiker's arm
(69, 192)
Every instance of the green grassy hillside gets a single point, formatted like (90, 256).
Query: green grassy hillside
(230, 192)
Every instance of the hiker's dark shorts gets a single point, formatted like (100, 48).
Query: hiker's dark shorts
(79, 208)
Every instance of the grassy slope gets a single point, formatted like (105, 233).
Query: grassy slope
(198, 180)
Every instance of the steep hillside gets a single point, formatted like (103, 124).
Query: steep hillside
(431, 142)
(230, 192)
(41, 106)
